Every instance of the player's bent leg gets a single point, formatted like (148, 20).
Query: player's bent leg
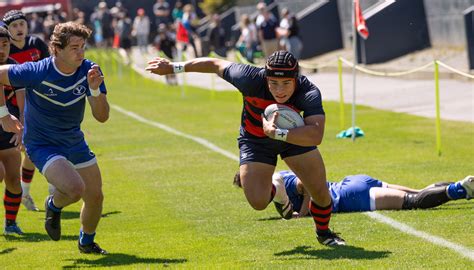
(27, 172)
(69, 184)
(92, 197)
(11, 160)
(70, 187)
(386, 198)
(91, 209)
(280, 200)
(309, 167)
(256, 180)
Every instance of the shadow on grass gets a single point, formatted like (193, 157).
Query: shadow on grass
(120, 259)
(270, 218)
(6, 251)
(341, 252)
(104, 215)
(37, 237)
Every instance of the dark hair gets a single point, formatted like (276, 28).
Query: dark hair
(12, 16)
(64, 31)
(237, 182)
(4, 33)
(282, 64)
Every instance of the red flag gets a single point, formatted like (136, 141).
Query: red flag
(360, 21)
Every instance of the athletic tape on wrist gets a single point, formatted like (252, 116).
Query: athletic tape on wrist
(281, 134)
(178, 67)
(94, 92)
(4, 111)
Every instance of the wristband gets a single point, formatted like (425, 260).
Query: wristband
(94, 92)
(178, 67)
(281, 134)
(3, 111)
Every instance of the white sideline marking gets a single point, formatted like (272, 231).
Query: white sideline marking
(465, 252)
(428, 237)
(171, 130)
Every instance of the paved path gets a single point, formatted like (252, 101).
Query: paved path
(415, 97)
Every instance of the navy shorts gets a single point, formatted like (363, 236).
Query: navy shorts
(80, 156)
(355, 194)
(266, 150)
(5, 138)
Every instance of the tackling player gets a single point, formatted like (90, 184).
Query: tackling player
(10, 156)
(56, 90)
(260, 142)
(24, 48)
(360, 193)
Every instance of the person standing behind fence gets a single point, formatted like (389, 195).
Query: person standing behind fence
(161, 9)
(247, 42)
(288, 32)
(177, 12)
(267, 33)
(24, 48)
(216, 36)
(124, 31)
(141, 30)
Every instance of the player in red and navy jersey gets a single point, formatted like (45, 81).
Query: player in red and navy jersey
(10, 156)
(261, 142)
(24, 48)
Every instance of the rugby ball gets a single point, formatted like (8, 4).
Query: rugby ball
(287, 117)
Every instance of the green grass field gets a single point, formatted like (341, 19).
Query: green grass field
(169, 201)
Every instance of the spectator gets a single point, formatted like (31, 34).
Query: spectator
(102, 21)
(36, 26)
(216, 36)
(177, 12)
(161, 9)
(267, 33)
(247, 42)
(288, 32)
(165, 42)
(141, 29)
(124, 31)
(190, 22)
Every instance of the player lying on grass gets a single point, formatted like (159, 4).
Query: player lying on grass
(359, 193)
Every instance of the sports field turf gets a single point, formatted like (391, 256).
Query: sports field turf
(169, 201)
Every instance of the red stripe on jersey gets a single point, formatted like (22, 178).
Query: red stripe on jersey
(259, 102)
(252, 129)
(29, 55)
(252, 113)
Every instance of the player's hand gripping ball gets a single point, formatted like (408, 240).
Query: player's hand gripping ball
(287, 117)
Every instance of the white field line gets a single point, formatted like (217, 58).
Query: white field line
(463, 251)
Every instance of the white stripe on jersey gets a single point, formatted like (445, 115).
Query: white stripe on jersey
(57, 102)
(62, 88)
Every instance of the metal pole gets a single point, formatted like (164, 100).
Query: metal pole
(354, 43)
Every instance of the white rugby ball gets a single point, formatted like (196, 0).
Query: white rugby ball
(287, 117)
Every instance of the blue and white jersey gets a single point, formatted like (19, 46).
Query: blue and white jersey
(55, 102)
(349, 195)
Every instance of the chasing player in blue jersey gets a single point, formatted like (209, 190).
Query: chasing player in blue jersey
(360, 193)
(261, 142)
(56, 90)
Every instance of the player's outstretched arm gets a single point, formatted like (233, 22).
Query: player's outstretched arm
(162, 66)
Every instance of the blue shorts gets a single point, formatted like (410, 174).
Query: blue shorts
(355, 194)
(266, 150)
(79, 155)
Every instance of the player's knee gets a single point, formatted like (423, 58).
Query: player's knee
(96, 198)
(76, 191)
(258, 205)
